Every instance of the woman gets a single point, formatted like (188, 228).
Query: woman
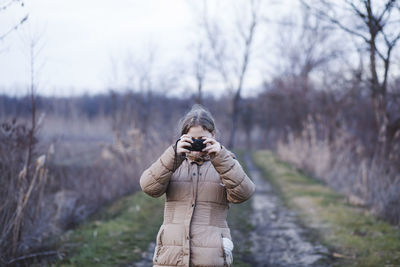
(199, 186)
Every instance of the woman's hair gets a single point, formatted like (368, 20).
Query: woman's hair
(197, 116)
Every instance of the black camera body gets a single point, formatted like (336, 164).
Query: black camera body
(197, 145)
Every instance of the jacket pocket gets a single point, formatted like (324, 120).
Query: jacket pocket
(159, 243)
(159, 236)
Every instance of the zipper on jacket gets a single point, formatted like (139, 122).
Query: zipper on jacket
(195, 189)
(194, 195)
(194, 192)
(197, 184)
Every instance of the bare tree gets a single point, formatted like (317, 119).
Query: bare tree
(6, 6)
(305, 44)
(233, 68)
(200, 69)
(144, 78)
(139, 74)
(377, 25)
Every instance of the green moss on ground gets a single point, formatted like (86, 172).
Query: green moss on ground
(115, 236)
(354, 236)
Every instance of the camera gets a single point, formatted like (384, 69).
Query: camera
(197, 145)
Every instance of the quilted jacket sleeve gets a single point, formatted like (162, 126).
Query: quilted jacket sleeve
(238, 185)
(154, 180)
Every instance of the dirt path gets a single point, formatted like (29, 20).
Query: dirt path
(278, 240)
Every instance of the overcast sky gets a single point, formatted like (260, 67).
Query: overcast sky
(81, 40)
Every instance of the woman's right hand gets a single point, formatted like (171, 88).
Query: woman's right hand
(184, 142)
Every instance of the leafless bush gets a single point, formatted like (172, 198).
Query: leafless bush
(23, 177)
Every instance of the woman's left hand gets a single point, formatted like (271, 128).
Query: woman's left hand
(212, 146)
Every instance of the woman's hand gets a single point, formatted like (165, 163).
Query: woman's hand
(212, 146)
(185, 141)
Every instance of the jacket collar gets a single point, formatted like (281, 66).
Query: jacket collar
(191, 162)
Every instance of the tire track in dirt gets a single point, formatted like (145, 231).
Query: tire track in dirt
(278, 239)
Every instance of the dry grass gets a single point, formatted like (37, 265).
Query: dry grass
(23, 177)
(345, 166)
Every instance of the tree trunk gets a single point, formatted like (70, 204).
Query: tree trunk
(235, 116)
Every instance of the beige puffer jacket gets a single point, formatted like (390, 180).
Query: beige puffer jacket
(196, 206)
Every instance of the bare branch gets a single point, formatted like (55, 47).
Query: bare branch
(357, 11)
(388, 8)
(325, 16)
(7, 5)
(217, 52)
(24, 19)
